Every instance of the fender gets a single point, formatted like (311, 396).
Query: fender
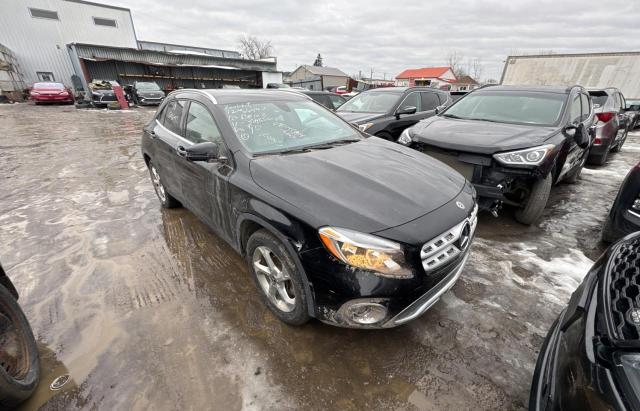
(288, 243)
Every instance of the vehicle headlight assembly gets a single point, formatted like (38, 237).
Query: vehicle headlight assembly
(365, 251)
(405, 138)
(365, 126)
(527, 157)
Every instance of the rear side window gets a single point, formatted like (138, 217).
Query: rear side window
(336, 101)
(200, 125)
(429, 101)
(322, 99)
(173, 115)
(586, 106)
(576, 111)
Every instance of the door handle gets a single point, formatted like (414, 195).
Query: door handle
(151, 133)
(181, 151)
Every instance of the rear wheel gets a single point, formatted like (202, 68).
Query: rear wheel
(166, 199)
(19, 361)
(618, 147)
(277, 277)
(536, 202)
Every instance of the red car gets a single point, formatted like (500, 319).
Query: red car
(51, 93)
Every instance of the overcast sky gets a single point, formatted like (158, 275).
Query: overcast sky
(391, 36)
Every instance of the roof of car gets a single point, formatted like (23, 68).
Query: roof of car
(402, 89)
(226, 96)
(545, 89)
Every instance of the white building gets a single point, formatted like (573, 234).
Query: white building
(317, 78)
(37, 32)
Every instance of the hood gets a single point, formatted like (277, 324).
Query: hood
(150, 93)
(367, 186)
(358, 118)
(476, 136)
(100, 91)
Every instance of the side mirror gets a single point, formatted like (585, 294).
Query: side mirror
(440, 109)
(406, 110)
(578, 134)
(200, 152)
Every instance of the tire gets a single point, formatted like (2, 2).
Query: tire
(608, 234)
(19, 373)
(384, 135)
(537, 201)
(166, 199)
(599, 160)
(290, 310)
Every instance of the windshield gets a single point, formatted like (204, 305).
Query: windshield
(371, 102)
(533, 108)
(276, 126)
(147, 86)
(57, 86)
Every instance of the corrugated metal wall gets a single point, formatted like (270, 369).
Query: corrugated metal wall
(621, 70)
(39, 44)
(165, 47)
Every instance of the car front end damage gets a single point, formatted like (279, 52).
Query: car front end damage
(354, 297)
(495, 181)
(591, 356)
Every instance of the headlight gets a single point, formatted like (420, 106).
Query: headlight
(365, 126)
(405, 138)
(527, 157)
(366, 251)
(631, 367)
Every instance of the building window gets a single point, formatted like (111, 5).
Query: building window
(44, 14)
(45, 76)
(99, 21)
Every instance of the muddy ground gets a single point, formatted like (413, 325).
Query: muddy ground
(146, 309)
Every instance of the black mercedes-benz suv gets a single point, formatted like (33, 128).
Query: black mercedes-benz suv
(512, 143)
(386, 112)
(590, 359)
(354, 231)
(146, 93)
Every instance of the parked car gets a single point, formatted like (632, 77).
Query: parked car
(624, 216)
(590, 359)
(513, 143)
(386, 112)
(306, 199)
(633, 112)
(330, 100)
(146, 93)
(278, 85)
(341, 90)
(19, 359)
(612, 123)
(48, 92)
(102, 92)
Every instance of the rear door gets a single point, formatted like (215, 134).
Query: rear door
(167, 134)
(204, 184)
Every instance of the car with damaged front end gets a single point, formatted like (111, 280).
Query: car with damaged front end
(354, 231)
(590, 359)
(512, 143)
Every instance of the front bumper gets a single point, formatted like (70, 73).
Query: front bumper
(52, 99)
(146, 101)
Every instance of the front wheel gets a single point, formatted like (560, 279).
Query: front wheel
(19, 360)
(277, 278)
(536, 202)
(166, 199)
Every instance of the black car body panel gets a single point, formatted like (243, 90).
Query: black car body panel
(624, 216)
(293, 195)
(580, 365)
(5, 282)
(390, 124)
(470, 146)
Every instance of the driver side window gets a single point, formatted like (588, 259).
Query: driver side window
(200, 125)
(412, 100)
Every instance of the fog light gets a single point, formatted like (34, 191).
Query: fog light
(636, 204)
(366, 313)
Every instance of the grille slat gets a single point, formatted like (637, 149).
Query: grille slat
(624, 290)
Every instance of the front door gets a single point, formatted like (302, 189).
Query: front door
(167, 132)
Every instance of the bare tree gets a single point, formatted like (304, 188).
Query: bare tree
(475, 68)
(254, 48)
(454, 60)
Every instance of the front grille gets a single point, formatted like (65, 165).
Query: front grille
(624, 289)
(447, 246)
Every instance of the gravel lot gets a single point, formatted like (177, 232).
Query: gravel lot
(146, 309)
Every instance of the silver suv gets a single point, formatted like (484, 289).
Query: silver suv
(612, 126)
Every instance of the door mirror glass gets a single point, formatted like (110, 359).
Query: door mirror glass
(578, 134)
(201, 152)
(406, 110)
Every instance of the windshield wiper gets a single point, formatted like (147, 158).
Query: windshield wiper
(330, 144)
(454, 116)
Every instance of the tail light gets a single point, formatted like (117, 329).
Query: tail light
(606, 116)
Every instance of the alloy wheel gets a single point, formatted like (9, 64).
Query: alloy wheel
(157, 184)
(274, 279)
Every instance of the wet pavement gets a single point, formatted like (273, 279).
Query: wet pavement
(146, 309)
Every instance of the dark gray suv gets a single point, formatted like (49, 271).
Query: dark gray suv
(611, 127)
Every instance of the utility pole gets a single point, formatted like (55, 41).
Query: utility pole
(371, 78)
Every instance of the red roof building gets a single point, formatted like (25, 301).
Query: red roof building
(428, 76)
